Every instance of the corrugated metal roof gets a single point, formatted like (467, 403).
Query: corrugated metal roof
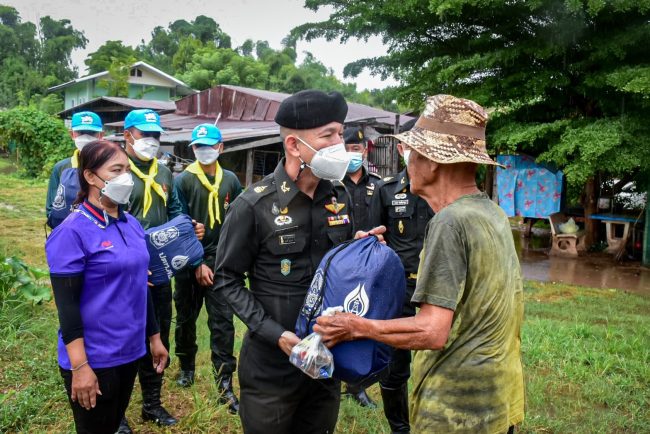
(99, 105)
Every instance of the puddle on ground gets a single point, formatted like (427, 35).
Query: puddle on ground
(596, 270)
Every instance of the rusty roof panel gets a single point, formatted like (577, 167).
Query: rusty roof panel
(226, 102)
(249, 109)
(238, 107)
(261, 108)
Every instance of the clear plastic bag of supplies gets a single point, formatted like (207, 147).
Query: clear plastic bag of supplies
(311, 356)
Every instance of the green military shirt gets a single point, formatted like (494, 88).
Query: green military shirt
(159, 213)
(193, 197)
(469, 265)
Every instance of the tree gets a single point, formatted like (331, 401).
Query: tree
(568, 81)
(108, 54)
(58, 38)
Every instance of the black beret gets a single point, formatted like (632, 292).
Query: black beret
(354, 135)
(311, 109)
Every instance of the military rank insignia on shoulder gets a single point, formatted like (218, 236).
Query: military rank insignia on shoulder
(388, 178)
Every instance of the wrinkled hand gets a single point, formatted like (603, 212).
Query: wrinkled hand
(378, 232)
(287, 341)
(336, 328)
(204, 275)
(159, 353)
(199, 229)
(85, 387)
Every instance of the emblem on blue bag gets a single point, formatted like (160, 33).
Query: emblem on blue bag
(357, 301)
(285, 267)
(312, 293)
(180, 261)
(163, 237)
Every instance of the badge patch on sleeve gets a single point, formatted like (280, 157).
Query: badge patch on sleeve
(285, 267)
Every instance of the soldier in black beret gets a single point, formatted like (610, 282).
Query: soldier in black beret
(276, 233)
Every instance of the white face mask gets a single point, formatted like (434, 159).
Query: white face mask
(146, 148)
(119, 188)
(407, 154)
(329, 163)
(83, 140)
(206, 154)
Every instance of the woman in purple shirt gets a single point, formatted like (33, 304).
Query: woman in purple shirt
(98, 267)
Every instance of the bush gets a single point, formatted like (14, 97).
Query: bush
(41, 139)
(19, 281)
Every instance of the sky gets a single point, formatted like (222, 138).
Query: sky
(131, 21)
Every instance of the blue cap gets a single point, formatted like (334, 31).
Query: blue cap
(206, 134)
(86, 121)
(144, 119)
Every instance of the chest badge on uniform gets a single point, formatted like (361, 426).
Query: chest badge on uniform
(259, 188)
(284, 210)
(400, 196)
(275, 209)
(284, 187)
(337, 220)
(285, 267)
(282, 220)
(400, 227)
(334, 207)
(226, 201)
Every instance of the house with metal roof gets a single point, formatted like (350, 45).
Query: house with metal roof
(252, 142)
(145, 83)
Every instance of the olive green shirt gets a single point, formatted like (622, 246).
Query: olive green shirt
(193, 197)
(469, 265)
(159, 213)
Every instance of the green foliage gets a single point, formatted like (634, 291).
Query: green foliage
(567, 80)
(41, 138)
(112, 51)
(33, 58)
(20, 281)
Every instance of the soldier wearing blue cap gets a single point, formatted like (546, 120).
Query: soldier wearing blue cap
(206, 191)
(63, 186)
(153, 202)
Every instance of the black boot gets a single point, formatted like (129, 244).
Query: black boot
(124, 427)
(396, 408)
(360, 396)
(185, 378)
(227, 395)
(152, 408)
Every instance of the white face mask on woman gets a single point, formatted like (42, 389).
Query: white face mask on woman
(206, 154)
(329, 163)
(119, 188)
(146, 148)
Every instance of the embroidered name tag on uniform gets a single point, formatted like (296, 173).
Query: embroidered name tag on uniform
(337, 220)
(399, 202)
(287, 239)
(400, 209)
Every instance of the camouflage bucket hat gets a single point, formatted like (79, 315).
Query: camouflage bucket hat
(450, 130)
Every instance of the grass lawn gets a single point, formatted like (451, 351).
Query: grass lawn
(586, 354)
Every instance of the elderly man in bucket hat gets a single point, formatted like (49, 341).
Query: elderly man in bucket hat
(467, 372)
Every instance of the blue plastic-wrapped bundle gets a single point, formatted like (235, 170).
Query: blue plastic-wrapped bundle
(172, 247)
(366, 278)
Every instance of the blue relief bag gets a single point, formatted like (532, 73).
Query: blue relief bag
(366, 278)
(66, 193)
(172, 247)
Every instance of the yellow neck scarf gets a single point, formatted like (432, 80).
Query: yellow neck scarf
(74, 160)
(149, 183)
(213, 198)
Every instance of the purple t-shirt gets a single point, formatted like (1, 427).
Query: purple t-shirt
(113, 259)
